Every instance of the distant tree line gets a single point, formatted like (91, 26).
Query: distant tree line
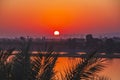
(108, 45)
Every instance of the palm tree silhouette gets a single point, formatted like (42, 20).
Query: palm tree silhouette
(24, 67)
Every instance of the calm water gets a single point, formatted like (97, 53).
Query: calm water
(112, 70)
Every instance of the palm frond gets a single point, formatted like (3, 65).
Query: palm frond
(5, 66)
(47, 65)
(96, 77)
(85, 68)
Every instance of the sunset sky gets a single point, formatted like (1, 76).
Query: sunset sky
(42, 17)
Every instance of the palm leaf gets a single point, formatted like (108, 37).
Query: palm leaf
(85, 68)
(47, 65)
(5, 66)
(96, 77)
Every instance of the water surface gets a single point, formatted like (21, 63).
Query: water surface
(112, 70)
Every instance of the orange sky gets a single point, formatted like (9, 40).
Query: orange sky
(42, 17)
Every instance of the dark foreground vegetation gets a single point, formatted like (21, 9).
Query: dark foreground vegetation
(22, 66)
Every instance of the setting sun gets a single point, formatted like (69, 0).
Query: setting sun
(56, 33)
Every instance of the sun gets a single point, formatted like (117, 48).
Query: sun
(56, 33)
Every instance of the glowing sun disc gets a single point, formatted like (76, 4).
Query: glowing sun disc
(56, 33)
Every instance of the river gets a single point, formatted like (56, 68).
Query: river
(112, 70)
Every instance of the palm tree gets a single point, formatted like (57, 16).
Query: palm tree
(34, 68)
(25, 67)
